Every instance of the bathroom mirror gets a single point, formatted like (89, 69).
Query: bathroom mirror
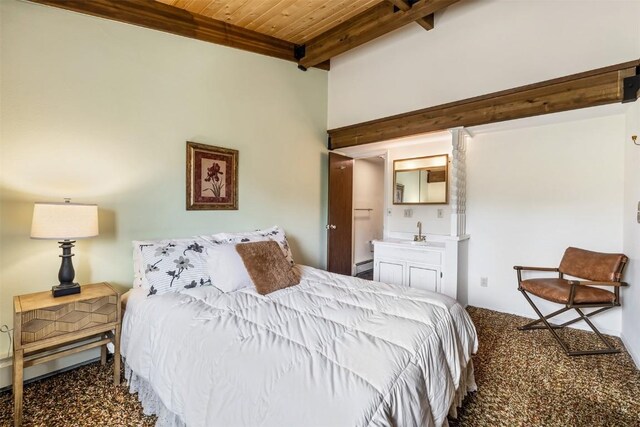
(421, 180)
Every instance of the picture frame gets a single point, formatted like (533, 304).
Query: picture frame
(212, 177)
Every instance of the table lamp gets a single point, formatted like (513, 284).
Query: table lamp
(65, 222)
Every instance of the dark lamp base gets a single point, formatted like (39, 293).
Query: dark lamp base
(66, 289)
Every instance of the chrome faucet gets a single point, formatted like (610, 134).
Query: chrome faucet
(419, 237)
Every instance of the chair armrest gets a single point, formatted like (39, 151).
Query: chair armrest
(519, 267)
(589, 283)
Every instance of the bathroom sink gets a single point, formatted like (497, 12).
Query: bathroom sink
(407, 242)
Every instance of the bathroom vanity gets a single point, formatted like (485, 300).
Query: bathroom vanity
(437, 264)
(430, 189)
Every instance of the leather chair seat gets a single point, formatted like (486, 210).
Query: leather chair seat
(559, 290)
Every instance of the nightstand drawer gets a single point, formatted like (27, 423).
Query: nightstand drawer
(45, 323)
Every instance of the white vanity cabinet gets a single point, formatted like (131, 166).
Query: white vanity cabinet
(424, 277)
(389, 271)
(417, 265)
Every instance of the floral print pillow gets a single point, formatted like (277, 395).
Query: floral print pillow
(175, 266)
(139, 267)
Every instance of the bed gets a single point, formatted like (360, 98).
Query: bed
(331, 351)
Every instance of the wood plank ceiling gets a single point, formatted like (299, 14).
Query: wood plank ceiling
(296, 21)
(309, 32)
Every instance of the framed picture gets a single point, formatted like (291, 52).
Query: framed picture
(212, 177)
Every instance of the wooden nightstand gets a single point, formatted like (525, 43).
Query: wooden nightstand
(46, 328)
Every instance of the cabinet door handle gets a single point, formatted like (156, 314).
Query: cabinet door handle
(331, 227)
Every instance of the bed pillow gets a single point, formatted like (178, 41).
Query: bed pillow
(226, 269)
(274, 233)
(267, 266)
(174, 266)
(139, 279)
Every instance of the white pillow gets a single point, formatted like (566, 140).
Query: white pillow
(226, 269)
(175, 266)
(139, 279)
(274, 233)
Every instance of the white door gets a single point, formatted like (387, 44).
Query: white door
(390, 272)
(423, 277)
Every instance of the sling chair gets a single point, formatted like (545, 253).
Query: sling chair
(598, 269)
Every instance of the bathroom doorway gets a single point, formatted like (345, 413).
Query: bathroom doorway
(368, 211)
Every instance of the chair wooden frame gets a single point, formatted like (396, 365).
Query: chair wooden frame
(602, 307)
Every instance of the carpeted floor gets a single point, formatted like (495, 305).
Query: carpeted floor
(523, 380)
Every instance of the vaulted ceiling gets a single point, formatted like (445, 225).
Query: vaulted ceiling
(291, 20)
(309, 32)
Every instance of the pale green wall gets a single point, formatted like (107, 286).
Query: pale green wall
(100, 111)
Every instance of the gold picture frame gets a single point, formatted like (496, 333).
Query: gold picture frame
(212, 177)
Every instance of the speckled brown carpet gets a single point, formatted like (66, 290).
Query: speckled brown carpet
(523, 380)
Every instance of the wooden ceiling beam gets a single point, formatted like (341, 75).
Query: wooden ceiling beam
(426, 22)
(162, 17)
(617, 83)
(368, 25)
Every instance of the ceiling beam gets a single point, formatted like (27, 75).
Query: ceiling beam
(370, 24)
(426, 22)
(596, 87)
(162, 17)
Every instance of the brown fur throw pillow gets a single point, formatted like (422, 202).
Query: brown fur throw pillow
(267, 266)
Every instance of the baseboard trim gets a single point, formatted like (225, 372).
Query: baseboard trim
(635, 356)
(580, 325)
(53, 373)
(363, 266)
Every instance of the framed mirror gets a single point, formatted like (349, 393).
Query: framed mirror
(421, 180)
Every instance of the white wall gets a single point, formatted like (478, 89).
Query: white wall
(479, 47)
(631, 295)
(368, 184)
(532, 192)
(99, 111)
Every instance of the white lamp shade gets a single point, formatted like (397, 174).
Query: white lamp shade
(64, 221)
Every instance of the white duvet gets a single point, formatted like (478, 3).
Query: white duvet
(332, 351)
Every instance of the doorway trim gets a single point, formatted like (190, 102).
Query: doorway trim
(367, 154)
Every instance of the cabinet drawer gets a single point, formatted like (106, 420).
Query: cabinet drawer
(409, 254)
(49, 322)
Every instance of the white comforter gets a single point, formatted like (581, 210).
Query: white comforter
(332, 351)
